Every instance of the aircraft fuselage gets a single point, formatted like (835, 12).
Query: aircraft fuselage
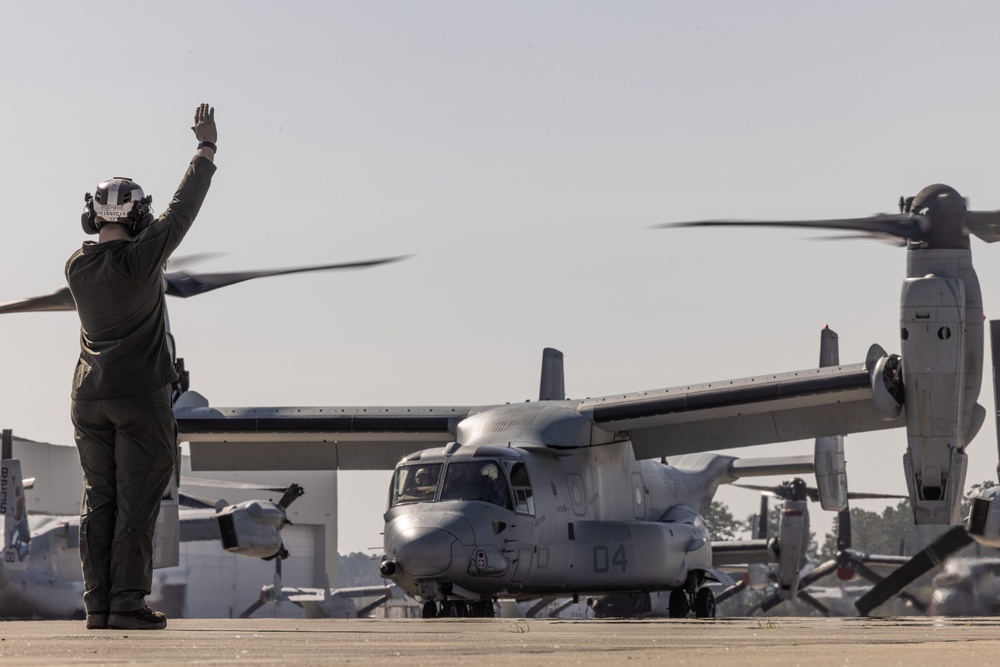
(537, 520)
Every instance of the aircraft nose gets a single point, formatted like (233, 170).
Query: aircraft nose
(423, 551)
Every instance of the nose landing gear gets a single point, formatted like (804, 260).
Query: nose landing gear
(682, 601)
(458, 609)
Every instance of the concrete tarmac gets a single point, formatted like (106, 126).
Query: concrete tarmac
(746, 641)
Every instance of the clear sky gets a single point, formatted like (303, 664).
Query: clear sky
(521, 151)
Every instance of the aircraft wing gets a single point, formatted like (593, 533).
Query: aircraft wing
(311, 438)
(800, 405)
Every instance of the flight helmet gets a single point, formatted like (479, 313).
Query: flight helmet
(118, 200)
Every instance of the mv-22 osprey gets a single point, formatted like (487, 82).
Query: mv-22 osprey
(566, 497)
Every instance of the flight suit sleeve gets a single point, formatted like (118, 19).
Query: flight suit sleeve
(155, 244)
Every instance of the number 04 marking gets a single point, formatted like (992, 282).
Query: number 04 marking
(603, 564)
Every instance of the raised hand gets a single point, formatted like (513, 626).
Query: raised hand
(204, 124)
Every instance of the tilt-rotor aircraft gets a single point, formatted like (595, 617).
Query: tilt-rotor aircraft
(585, 497)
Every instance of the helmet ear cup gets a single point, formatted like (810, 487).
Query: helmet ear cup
(142, 215)
(88, 217)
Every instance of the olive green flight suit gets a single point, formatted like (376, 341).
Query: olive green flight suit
(121, 409)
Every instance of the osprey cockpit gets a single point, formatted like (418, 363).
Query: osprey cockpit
(500, 482)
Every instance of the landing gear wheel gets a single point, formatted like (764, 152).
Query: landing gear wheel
(704, 603)
(481, 609)
(678, 605)
(430, 609)
(450, 609)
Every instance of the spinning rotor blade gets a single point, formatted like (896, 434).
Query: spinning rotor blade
(908, 226)
(184, 260)
(884, 238)
(223, 484)
(183, 284)
(984, 224)
(937, 217)
(933, 555)
(61, 299)
(821, 571)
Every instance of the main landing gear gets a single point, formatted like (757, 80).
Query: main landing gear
(682, 601)
(458, 609)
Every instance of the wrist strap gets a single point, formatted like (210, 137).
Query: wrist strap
(208, 144)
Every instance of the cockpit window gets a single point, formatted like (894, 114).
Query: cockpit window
(476, 480)
(524, 503)
(414, 484)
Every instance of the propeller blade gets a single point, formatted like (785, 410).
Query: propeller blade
(844, 529)
(984, 224)
(293, 492)
(176, 263)
(821, 571)
(183, 284)
(882, 238)
(61, 299)
(248, 612)
(223, 484)
(816, 604)
(860, 495)
(730, 592)
(875, 578)
(908, 226)
(187, 500)
(769, 603)
(932, 556)
(769, 490)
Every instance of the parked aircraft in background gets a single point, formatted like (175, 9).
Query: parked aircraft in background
(40, 574)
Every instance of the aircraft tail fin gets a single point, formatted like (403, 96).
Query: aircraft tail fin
(553, 384)
(831, 466)
(13, 507)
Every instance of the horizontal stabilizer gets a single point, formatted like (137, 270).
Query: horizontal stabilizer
(741, 552)
(771, 465)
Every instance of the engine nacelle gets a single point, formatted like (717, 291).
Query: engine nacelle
(793, 539)
(252, 528)
(941, 338)
(984, 519)
(831, 472)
